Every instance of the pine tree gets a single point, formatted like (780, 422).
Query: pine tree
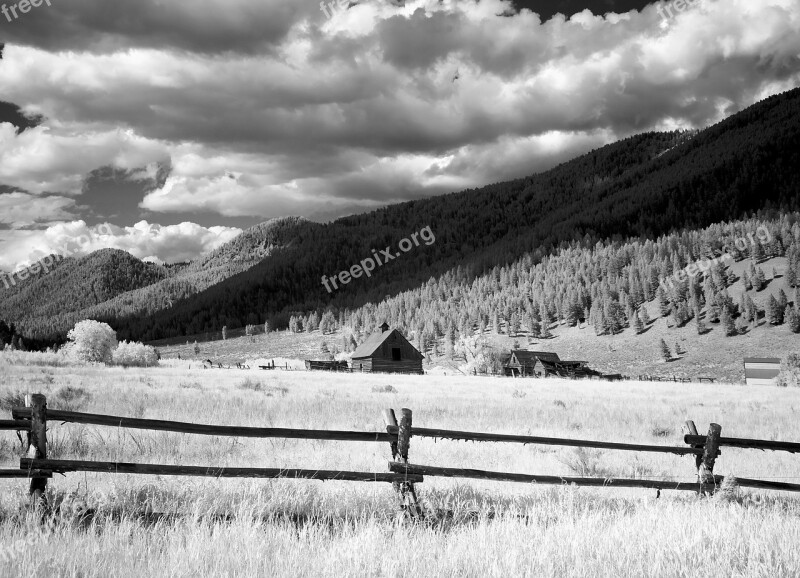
(678, 350)
(644, 315)
(728, 323)
(783, 300)
(791, 277)
(793, 318)
(514, 325)
(701, 327)
(614, 317)
(665, 352)
(637, 324)
(545, 316)
(760, 280)
(774, 312)
(663, 303)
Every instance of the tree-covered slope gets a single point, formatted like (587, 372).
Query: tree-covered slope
(643, 186)
(111, 284)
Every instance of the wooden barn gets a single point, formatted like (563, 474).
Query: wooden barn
(522, 363)
(387, 351)
(761, 370)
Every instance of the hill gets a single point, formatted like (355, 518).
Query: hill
(109, 284)
(642, 187)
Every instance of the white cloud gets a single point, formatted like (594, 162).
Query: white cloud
(173, 243)
(22, 210)
(324, 117)
(56, 160)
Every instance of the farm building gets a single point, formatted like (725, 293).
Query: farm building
(522, 363)
(313, 365)
(387, 351)
(761, 370)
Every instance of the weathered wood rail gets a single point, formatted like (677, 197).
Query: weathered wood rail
(402, 474)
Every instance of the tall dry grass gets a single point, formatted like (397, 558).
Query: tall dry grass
(299, 527)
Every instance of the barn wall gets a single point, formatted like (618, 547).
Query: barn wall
(388, 366)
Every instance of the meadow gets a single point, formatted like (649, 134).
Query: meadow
(118, 525)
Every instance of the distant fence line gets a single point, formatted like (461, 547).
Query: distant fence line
(33, 420)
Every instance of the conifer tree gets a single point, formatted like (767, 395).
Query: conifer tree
(637, 324)
(644, 316)
(728, 323)
(774, 311)
(701, 327)
(663, 303)
(793, 318)
(665, 352)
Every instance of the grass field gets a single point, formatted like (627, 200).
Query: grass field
(301, 527)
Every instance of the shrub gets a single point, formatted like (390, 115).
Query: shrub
(70, 399)
(91, 341)
(790, 371)
(12, 399)
(383, 389)
(131, 354)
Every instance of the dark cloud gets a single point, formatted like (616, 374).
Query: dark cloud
(10, 112)
(549, 8)
(203, 26)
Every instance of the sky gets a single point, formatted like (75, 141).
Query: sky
(164, 128)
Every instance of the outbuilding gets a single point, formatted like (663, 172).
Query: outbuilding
(387, 351)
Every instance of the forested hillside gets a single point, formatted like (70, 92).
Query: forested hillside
(605, 286)
(77, 283)
(642, 187)
(110, 284)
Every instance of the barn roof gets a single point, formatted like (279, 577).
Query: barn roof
(524, 355)
(374, 342)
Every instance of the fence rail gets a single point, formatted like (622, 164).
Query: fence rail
(15, 424)
(64, 466)
(203, 429)
(535, 440)
(791, 447)
(401, 472)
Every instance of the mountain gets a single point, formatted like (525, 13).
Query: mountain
(641, 187)
(77, 283)
(108, 284)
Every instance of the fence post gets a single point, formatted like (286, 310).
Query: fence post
(407, 491)
(698, 459)
(37, 445)
(711, 450)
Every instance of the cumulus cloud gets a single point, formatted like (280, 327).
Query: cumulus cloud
(19, 210)
(45, 159)
(174, 243)
(264, 108)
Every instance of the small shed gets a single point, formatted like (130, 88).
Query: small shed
(523, 363)
(388, 351)
(314, 365)
(761, 370)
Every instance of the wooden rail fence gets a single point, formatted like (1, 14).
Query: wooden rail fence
(34, 419)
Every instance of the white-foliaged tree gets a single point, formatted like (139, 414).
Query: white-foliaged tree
(91, 341)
